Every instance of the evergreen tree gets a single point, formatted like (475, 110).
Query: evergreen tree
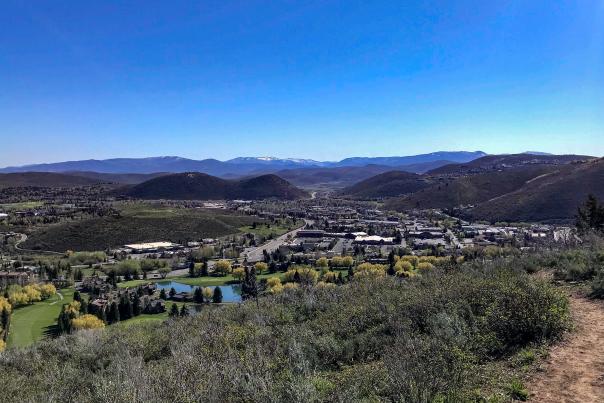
(390, 270)
(591, 216)
(198, 295)
(77, 296)
(83, 307)
(204, 268)
(114, 313)
(217, 297)
(249, 287)
(296, 277)
(136, 307)
(172, 292)
(350, 273)
(184, 310)
(5, 321)
(173, 310)
(162, 294)
(192, 272)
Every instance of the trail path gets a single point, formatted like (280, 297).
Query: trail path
(574, 369)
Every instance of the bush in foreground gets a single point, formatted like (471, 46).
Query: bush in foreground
(374, 339)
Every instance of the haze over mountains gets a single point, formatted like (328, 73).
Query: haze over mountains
(237, 166)
(529, 186)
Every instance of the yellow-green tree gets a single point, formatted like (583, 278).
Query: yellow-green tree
(2, 345)
(238, 273)
(87, 322)
(274, 285)
(261, 267)
(208, 293)
(5, 304)
(347, 261)
(322, 262)
(222, 267)
(47, 290)
(365, 270)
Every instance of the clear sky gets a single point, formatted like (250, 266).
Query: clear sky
(310, 79)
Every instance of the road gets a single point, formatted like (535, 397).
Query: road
(24, 238)
(255, 254)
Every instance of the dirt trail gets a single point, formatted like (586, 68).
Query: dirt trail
(574, 369)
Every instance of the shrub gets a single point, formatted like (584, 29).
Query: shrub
(87, 322)
(518, 391)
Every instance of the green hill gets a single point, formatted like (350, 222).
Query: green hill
(136, 223)
(44, 179)
(199, 186)
(549, 197)
(469, 190)
(388, 184)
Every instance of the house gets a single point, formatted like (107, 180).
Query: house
(15, 277)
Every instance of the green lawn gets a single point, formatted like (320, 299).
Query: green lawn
(22, 206)
(274, 229)
(31, 323)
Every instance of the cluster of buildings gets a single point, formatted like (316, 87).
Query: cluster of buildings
(103, 294)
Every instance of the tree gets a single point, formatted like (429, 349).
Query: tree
(198, 295)
(77, 296)
(136, 306)
(184, 311)
(163, 271)
(114, 313)
(239, 273)
(591, 216)
(192, 271)
(173, 310)
(249, 288)
(162, 294)
(172, 292)
(322, 262)
(87, 322)
(217, 296)
(261, 267)
(204, 267)
(222, 267)
(208, 293)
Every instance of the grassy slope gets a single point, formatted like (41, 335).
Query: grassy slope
(549, 197)
(32, 322)
(138, 223)
(471, 189)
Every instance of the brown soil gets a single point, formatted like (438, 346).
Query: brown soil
(574, 369)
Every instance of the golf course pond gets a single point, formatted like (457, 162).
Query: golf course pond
(230, 293)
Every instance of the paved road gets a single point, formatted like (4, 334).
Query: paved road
(24, 238)
(255, 254)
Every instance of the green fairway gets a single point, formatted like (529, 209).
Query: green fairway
(274, 230)
(22, 205)
(31, 323)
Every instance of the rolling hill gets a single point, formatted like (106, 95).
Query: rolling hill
(388, 184)
(555, 196)
(340, 177)
(43, 179)
(499, 162)
(198, 186)
(126, 179)
(452, 192)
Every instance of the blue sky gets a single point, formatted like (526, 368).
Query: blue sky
(310, 79)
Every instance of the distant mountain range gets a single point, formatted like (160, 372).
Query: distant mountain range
(235, 167)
